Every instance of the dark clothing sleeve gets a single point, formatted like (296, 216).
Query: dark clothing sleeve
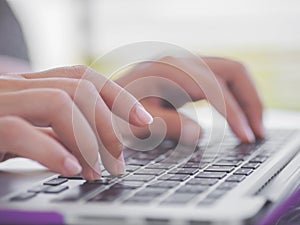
(12, 41)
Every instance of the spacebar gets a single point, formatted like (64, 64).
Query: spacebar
(78, 192)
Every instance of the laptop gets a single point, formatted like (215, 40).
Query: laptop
(223, 182)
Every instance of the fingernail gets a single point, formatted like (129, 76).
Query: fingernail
(190, 133)
(121, 164)
(97, 170)
(142, 115)
(72, 166)
(88, 174)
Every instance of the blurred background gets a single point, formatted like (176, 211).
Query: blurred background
(264, 34)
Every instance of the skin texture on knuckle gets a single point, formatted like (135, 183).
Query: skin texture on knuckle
(79, 87)
(84, 72)
(88, 87)
(77, 70)
(57, 100)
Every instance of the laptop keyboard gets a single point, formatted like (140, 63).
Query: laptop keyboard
(163, 176)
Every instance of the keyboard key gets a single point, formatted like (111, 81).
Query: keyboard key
(23, 196)
(207, 160)
(177, 177)
(170, 161)
(203, 182)
(218, 175)
(79, 192)
(220, 169)
(243, 172)
(194, 165)
(56, 181)
(131, 168)
(128, 184)
(76, 177)
(245, 148)
(258, 159)
(192, 189)
(154, 192)
(251, 165)
(206, 201)
(38, 189)
(139, 199)
(179, 198)
(155, 172)
(106, 175)
(103, 180)
(136, 162)
(159, 166)
(235, 178)
(234, 158)
(111, 194)
(227, 163)
(190, 171)
(216, 194)
(56, 189)
(227, 185)
(144, 178)
(164, 184)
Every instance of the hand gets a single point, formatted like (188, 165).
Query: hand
(226, 84)
(63, 116)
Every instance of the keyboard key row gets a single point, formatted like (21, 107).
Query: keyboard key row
(155, 172)
(79, 192)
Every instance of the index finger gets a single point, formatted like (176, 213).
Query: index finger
(121, 102)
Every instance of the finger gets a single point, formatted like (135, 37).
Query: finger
(179, 127)
(216, 92)
(97, 113)
(101, 119)
(20, 138)
(234, 115)
(49, 131)
(115, 166)
(121, 102)
(194, 77)
(63, 116)
(241, 85)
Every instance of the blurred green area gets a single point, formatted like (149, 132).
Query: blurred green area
(276, 72)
